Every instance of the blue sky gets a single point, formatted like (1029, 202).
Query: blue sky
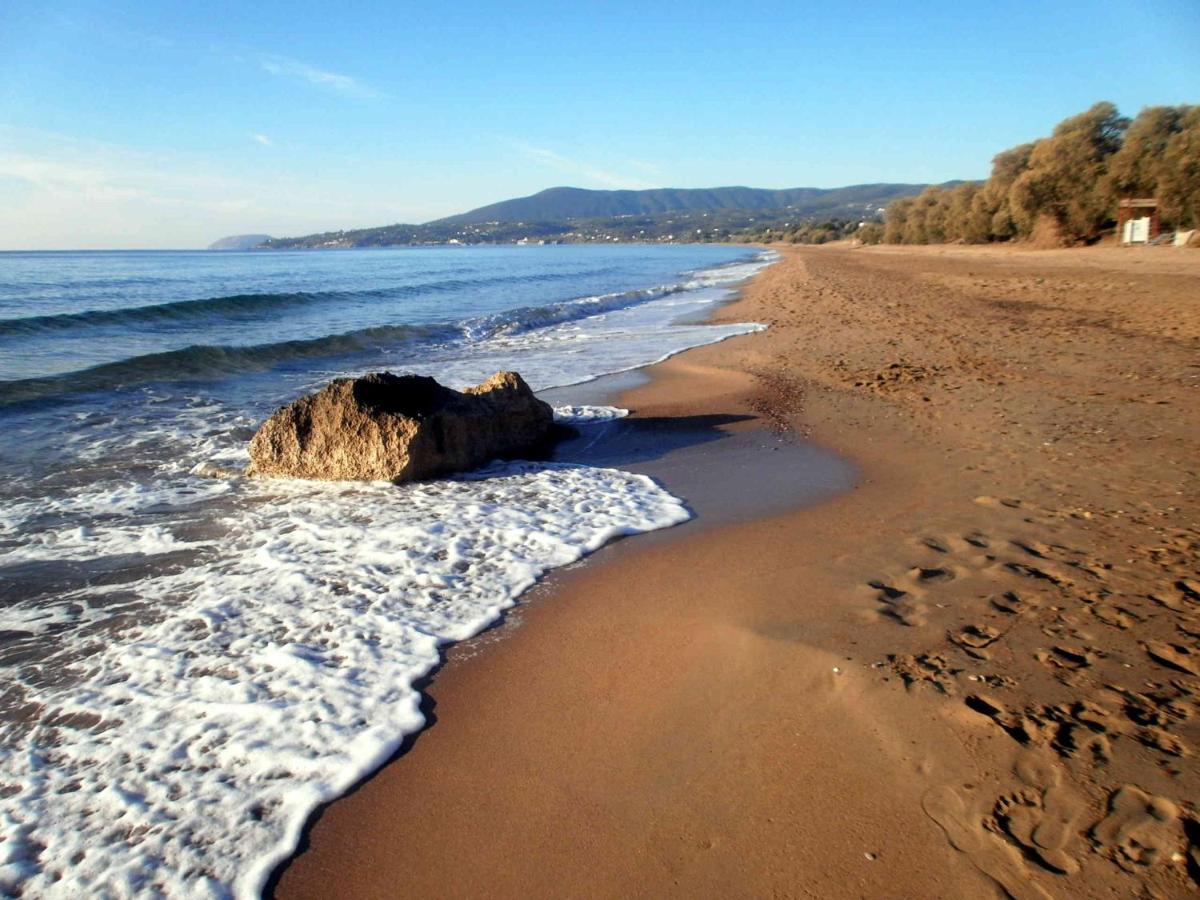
(172, 124)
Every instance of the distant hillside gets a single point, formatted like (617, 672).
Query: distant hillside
(566, 214)
(240, 242)
(560, 203)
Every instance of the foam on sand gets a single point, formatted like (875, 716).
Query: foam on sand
(184, 758)
(588, 415)
(195, 663)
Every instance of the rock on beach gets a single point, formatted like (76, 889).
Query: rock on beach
(385, 427)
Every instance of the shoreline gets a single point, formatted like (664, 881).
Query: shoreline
(659, 447)
(726, 708)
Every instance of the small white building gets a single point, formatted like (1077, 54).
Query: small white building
(1137, 220)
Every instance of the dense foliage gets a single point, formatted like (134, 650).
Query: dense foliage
(813, 230)
(1067, 185)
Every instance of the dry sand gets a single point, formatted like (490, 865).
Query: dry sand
(974, 673)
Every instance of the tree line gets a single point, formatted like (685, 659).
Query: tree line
(1066, 185)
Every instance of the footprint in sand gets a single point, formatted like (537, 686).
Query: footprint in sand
(1084, 741)
(964, 830)
(1017, 814)
(926, 668)
(1191, 829)
(964, 547)
(1033, 548)
(1154, 714)
(1175, 656)
(977, 539)
(1080, 730)
(1139, 830)
(1158, 739)
(1190, 589)
(1019, 727)
(1015, 604)
(1043, 573)
(931, 575)
(1010, 502)
(1042, 817)
(904, 598)
(975, 639)
(899, 604)
(1037, 770)
(1062, 656)
(1062, 810)
(1176, 598)
(1115, 616)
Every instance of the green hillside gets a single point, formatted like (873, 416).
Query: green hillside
(668, 214)
(561, 203)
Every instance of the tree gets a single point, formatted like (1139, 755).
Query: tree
(1136, 169)
(1179, 180)
(1066, 175)
(895, 220)
(914, 224)
(977, 221)
(1072, 178)
(870, 233)
(958, 211)
(933, 202)
(995, 207)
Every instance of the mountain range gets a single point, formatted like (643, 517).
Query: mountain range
(663, 214)
(563, 203)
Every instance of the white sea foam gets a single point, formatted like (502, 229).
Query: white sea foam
(186, 763)
(86, 542)
(197, 712)
(734, 272)
(588, 415)
(117, 498)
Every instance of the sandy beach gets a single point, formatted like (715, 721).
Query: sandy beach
(935, 631)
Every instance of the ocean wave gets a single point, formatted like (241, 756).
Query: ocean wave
(731, 272)
(206, 362)
(238, 306)
(177, 311)
(531, 317)
(201, 362)
(212, 659)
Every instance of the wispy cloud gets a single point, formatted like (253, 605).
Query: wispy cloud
(122, 185)
(261, 139)
(556, 160)
(287, 67)
(60, 178)
(58, 191)
(62, 191)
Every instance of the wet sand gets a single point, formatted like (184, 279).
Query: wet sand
(972, 672)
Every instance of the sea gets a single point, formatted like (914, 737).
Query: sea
(189, 666)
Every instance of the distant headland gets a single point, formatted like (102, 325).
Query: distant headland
(240, 242)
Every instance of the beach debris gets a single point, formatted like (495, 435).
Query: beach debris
(385, 427)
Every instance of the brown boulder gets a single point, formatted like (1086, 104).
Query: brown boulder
(400, 428)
